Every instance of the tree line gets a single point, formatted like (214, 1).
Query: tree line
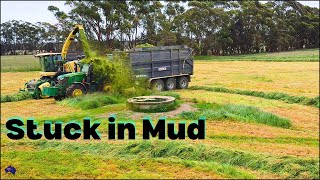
(209, 27)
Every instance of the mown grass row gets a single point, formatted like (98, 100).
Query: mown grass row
(92, 101)
(280, 140)
(238, 113)
(267, 95)
(98, 103)
(284, 166)
(15, 97)
(97, 100)
(103, 166)
(212, 112)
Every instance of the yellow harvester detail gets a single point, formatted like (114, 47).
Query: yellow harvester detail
(69, 39)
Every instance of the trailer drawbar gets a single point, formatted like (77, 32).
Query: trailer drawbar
(116, 130)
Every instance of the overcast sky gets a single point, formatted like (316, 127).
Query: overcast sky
(37, 11)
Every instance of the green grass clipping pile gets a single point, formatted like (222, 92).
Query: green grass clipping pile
(116, 73)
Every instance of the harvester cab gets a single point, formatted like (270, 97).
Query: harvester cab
(50, 63)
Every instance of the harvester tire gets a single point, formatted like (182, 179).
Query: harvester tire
(75, 90)
(183, 82)
(57, 98)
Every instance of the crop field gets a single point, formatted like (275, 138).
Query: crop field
(248, 134)
(295, 78)
(289, 56)
(19, 63)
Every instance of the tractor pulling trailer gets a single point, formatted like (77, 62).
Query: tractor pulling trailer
(166, 67)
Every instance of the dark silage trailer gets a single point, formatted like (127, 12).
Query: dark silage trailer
(167, 67)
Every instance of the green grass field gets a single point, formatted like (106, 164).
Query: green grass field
(262, 122)
(19, 63)
(308, 55)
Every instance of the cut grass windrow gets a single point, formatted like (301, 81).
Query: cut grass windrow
(16, 97)
(103, 166)
(267, 95)
(92, 101)
(284, 166)
(280, 140)
(238, 113)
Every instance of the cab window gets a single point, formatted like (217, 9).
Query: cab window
(85, 68)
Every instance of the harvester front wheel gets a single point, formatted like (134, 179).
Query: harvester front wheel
(57, 98)
(75, 90)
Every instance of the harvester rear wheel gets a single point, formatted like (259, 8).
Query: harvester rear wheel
(75, 90)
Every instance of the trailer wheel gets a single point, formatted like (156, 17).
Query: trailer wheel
(183, 82)
(75, 90)
(171, 84)
(158, 85)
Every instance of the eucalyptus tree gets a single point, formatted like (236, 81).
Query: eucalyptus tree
(87, 14)
(218, 27)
